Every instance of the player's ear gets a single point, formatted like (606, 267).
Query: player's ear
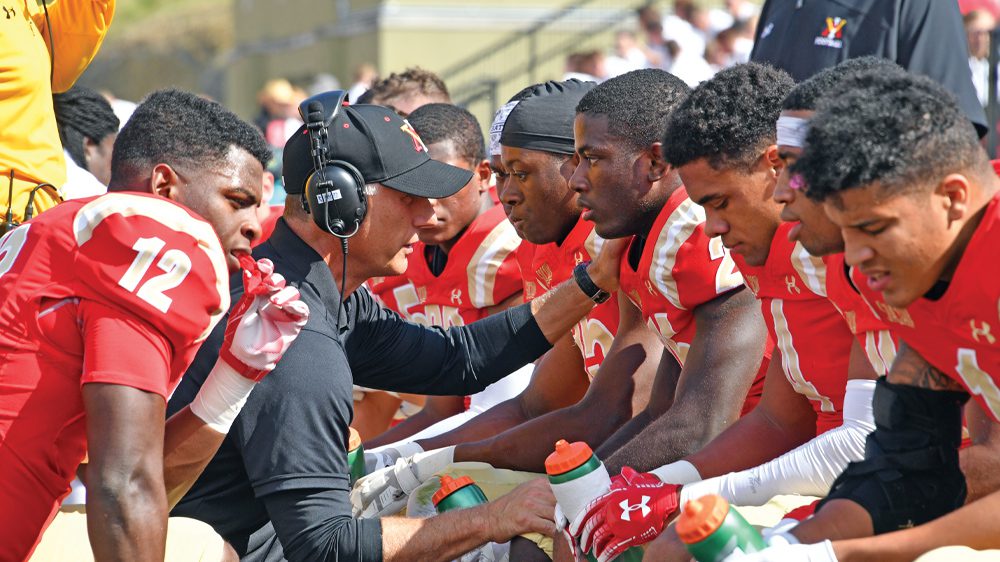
(164, 181)
(772, 160)
(955, 189)
(484, 174)
(657, 165)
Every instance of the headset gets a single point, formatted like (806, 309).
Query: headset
(335, 192)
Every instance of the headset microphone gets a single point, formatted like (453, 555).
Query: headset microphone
(334, 193)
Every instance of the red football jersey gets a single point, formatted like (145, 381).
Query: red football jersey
(543, 267)
(679, 269)
(959, 333)
(481, 272)
(117, 289)
(814, 340)
(870, 331)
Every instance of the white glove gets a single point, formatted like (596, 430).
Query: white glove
(385, 492)
(382, 457)
(261, 327)
(819, 552)
(781, 533)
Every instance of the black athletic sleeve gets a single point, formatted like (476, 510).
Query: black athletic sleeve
(931, 41)
(331, 534)
(292, 438)
(389, 353)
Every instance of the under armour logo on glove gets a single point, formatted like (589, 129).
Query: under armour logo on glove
(627, 509)
(633, 512)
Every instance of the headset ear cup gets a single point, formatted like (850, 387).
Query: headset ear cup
(335, 195)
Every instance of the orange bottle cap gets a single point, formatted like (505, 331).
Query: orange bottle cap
(449, 486)
(567, 456)
(354, 439)
(701, 517)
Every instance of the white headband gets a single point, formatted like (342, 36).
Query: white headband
(792, 131)
(499, 119)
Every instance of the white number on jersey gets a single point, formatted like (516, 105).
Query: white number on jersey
(175, 265)
(10, 247)
(728, 276)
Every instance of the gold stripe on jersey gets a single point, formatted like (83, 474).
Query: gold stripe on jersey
(811, 269)
(593, 244)
(886, 348)
(790, 359)
(173, 217)
(485, 263)
(679, 226)
(873, 350)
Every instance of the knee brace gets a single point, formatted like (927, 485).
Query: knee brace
(910, 474)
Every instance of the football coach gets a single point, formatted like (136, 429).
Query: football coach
(359, 179)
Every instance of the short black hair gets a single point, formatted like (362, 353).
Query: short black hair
(729, 119)
(405, 83)
(172, 126)
(82, 113)
(806, 95)
(898, 129)
(636, 104)
(437, 122)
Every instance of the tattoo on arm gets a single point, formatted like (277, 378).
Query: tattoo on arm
(912, 369)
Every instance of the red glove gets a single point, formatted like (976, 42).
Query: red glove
(264, 322)
(633, 512)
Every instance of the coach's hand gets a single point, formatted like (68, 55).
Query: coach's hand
(634, 511)
(526, 509)
(261, 327)
(385, 491)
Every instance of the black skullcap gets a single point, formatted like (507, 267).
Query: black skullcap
(543, 120)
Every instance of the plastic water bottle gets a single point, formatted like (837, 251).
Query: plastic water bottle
(577, 476)
(355, 456)
(457, 493)
(712, 530)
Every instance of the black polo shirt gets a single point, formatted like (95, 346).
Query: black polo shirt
(278, 486)
(923, 36)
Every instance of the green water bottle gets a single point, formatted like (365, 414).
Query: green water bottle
(457, 493)
(712, 530)
(355, 456)
(577, 476)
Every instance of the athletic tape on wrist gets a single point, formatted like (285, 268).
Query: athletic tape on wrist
(221, 398)
(679, 472)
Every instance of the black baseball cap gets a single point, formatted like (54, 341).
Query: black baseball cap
(382, 146)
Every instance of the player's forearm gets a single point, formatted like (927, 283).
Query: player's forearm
(979, 464)
(668, 438)
(126, 514)
(436, 409)
(436, 539)
(526, 446)
(188, 446)
(496, 420)
(974, 525)
(729, 451)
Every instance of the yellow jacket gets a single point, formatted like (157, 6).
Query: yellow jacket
(29, 139)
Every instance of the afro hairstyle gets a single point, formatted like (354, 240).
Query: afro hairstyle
(729, 119)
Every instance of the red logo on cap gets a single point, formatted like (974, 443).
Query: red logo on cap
(418, 144)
